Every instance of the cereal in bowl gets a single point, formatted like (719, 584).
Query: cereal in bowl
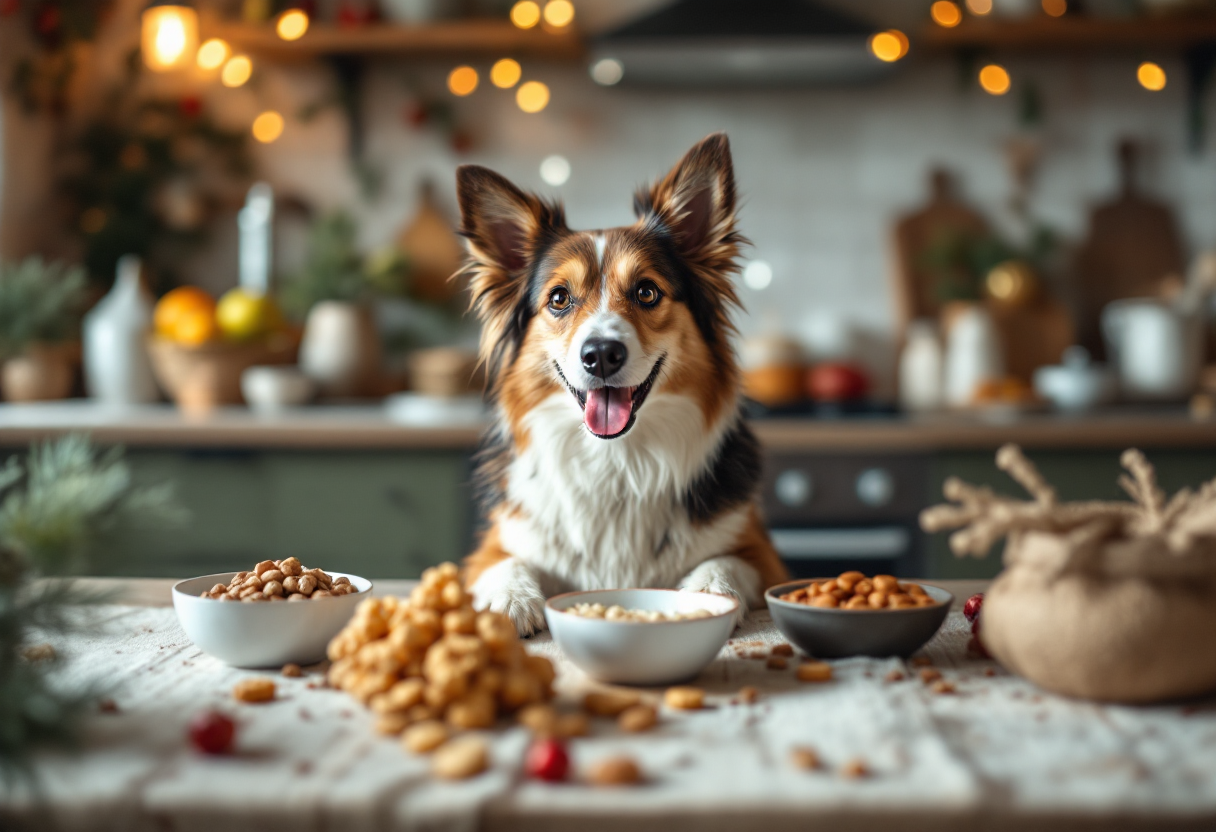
(280, 580)
(619, 613)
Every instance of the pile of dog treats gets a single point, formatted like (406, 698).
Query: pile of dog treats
(280, 580)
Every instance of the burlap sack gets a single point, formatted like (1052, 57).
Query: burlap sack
(1114, 602)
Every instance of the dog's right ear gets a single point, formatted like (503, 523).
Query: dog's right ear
(501, 222)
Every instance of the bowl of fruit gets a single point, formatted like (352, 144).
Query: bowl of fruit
(200, 348)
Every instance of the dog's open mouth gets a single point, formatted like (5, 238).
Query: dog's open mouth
(609, 412)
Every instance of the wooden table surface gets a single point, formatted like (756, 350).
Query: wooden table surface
(997, 753)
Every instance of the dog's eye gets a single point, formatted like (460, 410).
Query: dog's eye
(647, 293)
(559, 300)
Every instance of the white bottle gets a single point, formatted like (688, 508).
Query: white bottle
(920, 368)
(973, 355)
(117, 370)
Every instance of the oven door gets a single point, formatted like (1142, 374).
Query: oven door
(823, 552)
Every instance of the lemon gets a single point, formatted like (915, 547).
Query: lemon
(243, 315)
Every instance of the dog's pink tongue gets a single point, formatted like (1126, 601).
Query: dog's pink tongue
(608, 409)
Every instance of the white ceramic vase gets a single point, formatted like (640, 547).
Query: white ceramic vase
(116, 365)
(340, 350)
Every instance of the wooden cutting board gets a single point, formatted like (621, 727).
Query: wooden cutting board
(1132, 247)
(915, 233)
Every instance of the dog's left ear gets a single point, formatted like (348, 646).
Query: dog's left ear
(696, 202)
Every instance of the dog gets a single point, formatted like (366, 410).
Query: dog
(618, 456)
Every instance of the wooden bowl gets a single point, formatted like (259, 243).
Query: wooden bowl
(208, 375)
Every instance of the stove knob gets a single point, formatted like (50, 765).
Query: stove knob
(875, 487)
(794, 488)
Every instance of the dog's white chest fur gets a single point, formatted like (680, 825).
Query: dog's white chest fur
(599, 514)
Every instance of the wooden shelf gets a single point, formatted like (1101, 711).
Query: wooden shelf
(447, 39)
(1080, 33)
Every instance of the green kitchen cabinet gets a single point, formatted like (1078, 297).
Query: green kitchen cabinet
(380, 514)
(1076, 475)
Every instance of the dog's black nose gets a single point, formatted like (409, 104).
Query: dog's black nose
(602, 357)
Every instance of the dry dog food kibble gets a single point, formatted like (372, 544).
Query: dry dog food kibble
(609, 702)
(776, 663)
(424, 737)
(618, 613)
(615, 771)
(572, 725)
(638, 718)
(684, 698)
(461, 758)
(435, 658)
(257, 689)
(804, 758)
(854, 591)
(280, 580)
(814, 672)
(748, 694)
(293, 671)
(855, 769)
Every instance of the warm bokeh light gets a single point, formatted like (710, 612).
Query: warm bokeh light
(1055, 8)
(267, 127)
(292, 24)
(505, 73)
(169, 37)
(945, 13)
(559, 13)
(462, 80)
(236, 71)
(980, 7)
(889, 46)
(213, 53)
(525, 14)
(994, 79)
(532, 97)
(1151, 76)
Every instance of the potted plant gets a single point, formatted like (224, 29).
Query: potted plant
(40, 306)
(341, 348)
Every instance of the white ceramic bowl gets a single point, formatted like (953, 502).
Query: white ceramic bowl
(642, 653)
(263, 635)
(270, 389)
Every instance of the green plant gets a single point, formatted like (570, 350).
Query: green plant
(336, 270)
(59, 508)
(39, 301)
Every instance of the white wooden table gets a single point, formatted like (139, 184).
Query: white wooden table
(998, 754)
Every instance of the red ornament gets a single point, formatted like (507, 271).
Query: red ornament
(972, 608)
(547, 760)
(212, 732)
(190, 106)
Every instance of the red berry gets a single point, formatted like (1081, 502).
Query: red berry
(212, 732)
(547, 760)
(972, 608)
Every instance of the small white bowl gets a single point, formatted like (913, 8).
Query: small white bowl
(270, 634)
(269, 389)
(642, 652)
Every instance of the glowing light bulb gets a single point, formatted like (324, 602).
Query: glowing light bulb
(462, 80)
(505, 73)
(607, 71)
(212, 54)
(994, 79)
(292, 24)
(946, 13)
(979, 7)
(559, 13)
(525, 14)
(532, 97)
(267, 127)
(555, 170)
(889, 46)
(169, 37)
(237, 71)
(1055, 8)
(1151, 76)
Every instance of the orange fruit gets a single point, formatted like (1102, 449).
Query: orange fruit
(186, 315)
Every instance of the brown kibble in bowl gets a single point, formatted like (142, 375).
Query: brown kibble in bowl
(684, 698)
(461, 758)
(424, 737)
(638, 718)
(814, 672)
(804, 758)
(256, 689)
(615, 771)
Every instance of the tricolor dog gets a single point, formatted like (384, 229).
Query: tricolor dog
(618, 457)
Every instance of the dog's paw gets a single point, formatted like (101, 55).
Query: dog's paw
(508, 589)
(725, 576)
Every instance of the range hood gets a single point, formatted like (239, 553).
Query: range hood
(743, 43)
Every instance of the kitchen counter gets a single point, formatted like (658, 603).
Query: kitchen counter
(369, 427)
(996, 754)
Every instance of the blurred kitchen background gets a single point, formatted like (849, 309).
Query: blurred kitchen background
(226, 229)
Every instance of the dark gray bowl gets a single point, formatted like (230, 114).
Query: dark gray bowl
(834, 633)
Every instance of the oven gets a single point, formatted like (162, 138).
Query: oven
(829, 513)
